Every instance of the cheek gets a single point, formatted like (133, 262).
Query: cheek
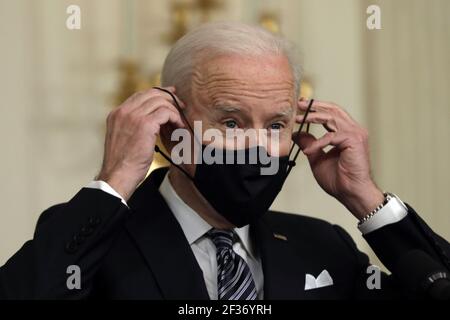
(286, 139)
(283, 145)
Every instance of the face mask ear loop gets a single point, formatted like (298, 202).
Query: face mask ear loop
(177, 105)
(157, 149)
(292, 162)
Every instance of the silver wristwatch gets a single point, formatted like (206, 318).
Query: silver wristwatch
(391, 201)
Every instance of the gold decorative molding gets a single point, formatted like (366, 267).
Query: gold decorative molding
(179, 19)
(307, 88)
(270, 21)
(187, 13)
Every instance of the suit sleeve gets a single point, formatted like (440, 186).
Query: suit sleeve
(390, 243)
(78, 233)
(411, 233)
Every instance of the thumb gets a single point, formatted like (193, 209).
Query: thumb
(305, 140)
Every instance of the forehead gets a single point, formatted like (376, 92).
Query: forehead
(258, 77)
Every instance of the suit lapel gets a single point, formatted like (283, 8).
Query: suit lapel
(166, 250)
(283, 270)
(163, 243)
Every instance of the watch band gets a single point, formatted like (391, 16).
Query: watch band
(392, 211)
(387, 197)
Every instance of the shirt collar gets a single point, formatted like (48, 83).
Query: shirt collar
(192, 224)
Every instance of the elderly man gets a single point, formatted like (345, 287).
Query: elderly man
(202, 230)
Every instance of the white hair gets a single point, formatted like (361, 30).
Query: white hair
(211, 39)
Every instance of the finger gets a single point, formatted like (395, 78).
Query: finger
(304, 141)
(163, 115)
(141, 97)
(137, 96)
(302, 105)
(151, 93)
(177, 99)
(152, 104)
(327, 107)
(333, 110)
(329, 139)
(324, 119)
(317, 104)
(169, 88)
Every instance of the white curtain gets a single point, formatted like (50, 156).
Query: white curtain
(408, 104)
(56, 86)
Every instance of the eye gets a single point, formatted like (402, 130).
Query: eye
(231, 124)
(276, 126)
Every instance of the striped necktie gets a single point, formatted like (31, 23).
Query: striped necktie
(234, 278)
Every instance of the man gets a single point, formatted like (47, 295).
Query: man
(202, 230)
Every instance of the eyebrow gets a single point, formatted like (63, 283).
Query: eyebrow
(227, 108)
(287, 112)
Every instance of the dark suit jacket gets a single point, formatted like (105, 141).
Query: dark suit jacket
(142, 253)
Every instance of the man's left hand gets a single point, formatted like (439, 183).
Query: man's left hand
(344, 170)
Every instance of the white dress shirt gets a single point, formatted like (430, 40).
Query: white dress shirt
(387, 215)
(195, 228)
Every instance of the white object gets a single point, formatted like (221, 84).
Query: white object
(323, 280)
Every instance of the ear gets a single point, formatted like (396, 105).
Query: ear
(164, 136)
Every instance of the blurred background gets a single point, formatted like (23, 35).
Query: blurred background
(57, 86)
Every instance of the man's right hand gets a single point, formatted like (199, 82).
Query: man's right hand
(131, 134)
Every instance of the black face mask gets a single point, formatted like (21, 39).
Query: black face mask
(239, 192)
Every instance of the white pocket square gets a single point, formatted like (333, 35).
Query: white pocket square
(323, 280)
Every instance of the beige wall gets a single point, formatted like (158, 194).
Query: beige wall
(408, 105)
(56, 88)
